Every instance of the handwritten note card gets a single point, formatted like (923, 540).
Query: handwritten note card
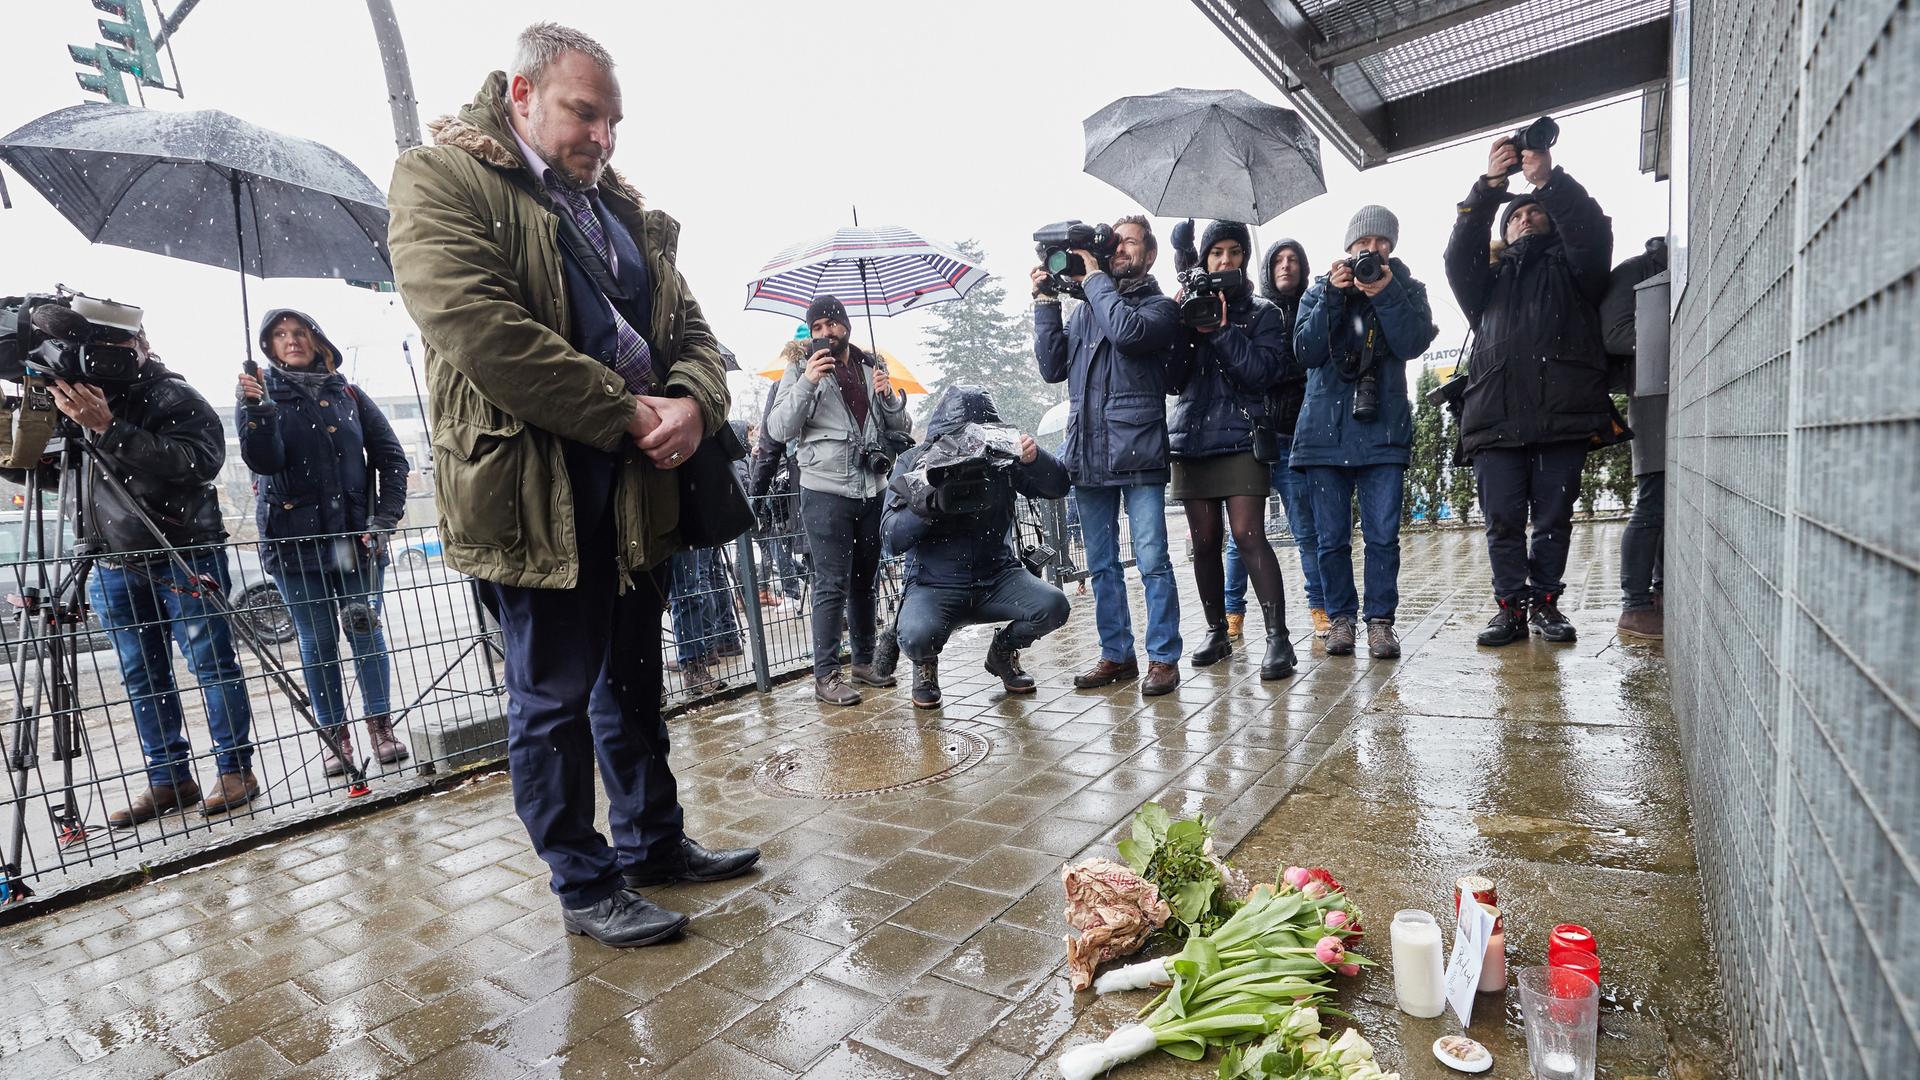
(1473, 927)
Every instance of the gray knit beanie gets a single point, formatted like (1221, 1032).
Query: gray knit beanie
(1372, 221)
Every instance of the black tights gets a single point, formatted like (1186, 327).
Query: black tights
(1248, 514)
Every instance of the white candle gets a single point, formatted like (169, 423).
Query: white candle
(1417, 978)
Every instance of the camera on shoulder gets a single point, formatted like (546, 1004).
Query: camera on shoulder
(1056, 244)
(68, 335)
(1201, 309)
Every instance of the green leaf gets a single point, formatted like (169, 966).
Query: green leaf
(1136, 854)
(1187, 834)
(1150, 824)
(1191, 900)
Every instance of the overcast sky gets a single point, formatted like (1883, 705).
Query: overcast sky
(755, 124)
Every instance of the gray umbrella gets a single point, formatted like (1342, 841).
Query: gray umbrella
(1220, 154)
(206, 187)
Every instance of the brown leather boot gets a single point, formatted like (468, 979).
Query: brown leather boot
(236, 789)
(388, 749)
(156, 800)
(1161, 679)
(1322, 626)
(1644, 624)
(330, 764)
(1106, 672)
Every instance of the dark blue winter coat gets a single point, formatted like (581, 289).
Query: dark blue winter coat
(976, 549)
(1223, 379)
(1324, 335)
(324, 460)
(1113, 355)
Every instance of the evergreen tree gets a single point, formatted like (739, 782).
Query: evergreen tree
(1426, 471)
(976, 341)
(1462, 487)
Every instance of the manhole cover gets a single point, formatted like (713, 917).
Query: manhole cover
(871, 761)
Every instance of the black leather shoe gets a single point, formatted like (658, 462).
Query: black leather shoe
(624, 920)
(691, 862)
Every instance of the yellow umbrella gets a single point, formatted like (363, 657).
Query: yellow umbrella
(904, 380)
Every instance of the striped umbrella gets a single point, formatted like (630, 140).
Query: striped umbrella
(879, 270)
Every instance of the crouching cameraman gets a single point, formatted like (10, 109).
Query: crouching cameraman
(962, 569)
(165, 445)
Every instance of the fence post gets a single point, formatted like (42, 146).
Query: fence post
(750, 581)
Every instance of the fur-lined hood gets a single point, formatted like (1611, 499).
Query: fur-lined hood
(482, 129)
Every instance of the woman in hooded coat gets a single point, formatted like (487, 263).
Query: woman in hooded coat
(330, 482)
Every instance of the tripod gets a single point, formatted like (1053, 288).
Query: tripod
(50, 631)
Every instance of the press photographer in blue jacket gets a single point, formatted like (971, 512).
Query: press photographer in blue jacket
(1358, 326)
(962, 565)
(1225, 364)
(330, 483)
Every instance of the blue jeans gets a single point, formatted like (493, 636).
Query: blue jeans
(1378, 486)
(702, 604)
(1292, 486)
(321, 601)
(1147, 523)
(139, 607)
(930, 614)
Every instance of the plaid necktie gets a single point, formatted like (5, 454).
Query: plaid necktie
(632, 359)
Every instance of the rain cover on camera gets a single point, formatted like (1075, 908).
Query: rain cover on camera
(964, 431)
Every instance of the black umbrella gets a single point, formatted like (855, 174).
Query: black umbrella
(209, 188)
(1220, 154)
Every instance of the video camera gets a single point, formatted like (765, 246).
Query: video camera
(1056, 244)
(1539, 135)
(952, 478)
(59, 335)
(1202, 309)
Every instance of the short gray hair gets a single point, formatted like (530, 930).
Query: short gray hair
(543, 43)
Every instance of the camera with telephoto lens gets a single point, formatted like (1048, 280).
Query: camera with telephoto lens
(1056, 244)
(1201, 309)
(1367, 268)
(1539, 135)
(1361, 368)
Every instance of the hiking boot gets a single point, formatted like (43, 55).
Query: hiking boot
(1340, 636)
(1161, 679)
(1279, 660)
(834, 691)
(1507, 626)
(1381, 642)
(1645, 624)
(869, 675)
(1546, 620)
(1005, 663)
(1321, 624)
(1106, 672)
(236, 789)
(387, 749)
(926, 685)
(156, 800)
(1236, 623)
(330, 764)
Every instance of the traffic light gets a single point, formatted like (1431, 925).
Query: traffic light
(128, 30)
(106, 80)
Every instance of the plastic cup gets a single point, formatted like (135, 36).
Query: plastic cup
(1561, 1008)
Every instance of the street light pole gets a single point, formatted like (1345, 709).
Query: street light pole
(393, 57)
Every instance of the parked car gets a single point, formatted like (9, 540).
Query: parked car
(415, 549)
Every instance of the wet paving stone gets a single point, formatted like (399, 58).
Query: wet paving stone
(916, 933)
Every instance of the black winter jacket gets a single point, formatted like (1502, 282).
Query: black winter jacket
(325, 462)
(1113, 356)
(167, 446)
(1287, 395)
(1538, 368)
(962, 552)
(1223, 379)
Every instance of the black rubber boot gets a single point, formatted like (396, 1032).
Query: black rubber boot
(1219, 646)
(1280, 659)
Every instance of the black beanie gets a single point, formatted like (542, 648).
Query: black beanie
(1519, 201)
(1217, 231)
(827, 307)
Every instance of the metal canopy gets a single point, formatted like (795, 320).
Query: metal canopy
(1384, 78)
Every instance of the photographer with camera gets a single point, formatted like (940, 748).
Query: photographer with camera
(1113, 354)
(327, 466)
(962, 565)
(840, 405)
(1536, 395)
(164, 442)
(1358, 326)
(1230, 353)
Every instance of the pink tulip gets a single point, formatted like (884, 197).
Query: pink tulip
(1329, 950)
(1314, 890)
(1336, 919)
(1347, 969)
(1297, 876)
